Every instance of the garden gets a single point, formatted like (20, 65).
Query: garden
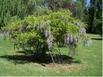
(50, 38)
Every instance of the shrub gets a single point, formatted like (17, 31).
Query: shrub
(42, 33)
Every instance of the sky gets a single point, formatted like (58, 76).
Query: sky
(87, 2)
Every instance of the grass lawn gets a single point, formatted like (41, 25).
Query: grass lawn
(90, 62)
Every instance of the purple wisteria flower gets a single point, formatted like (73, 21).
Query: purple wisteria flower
(46, 33)
(82, 31)
(68, 39)
(88, 42)
(49, 42)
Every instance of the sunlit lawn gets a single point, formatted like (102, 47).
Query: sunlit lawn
(90, 62)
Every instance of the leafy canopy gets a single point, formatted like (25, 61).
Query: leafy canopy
(41, 33)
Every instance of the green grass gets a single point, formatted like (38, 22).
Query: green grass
(90, 65)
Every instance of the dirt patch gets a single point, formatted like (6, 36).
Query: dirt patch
(63, 67)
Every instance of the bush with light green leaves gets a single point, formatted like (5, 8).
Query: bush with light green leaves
(43, 33)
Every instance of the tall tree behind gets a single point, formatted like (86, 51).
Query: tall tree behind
(80, 9)
(92, 15)
(95, 17)
(57, 4)
(98, 20)
(19, 8)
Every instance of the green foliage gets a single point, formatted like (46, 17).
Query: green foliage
(19, 8)
(41, 33)
(98, 26)
(41, 10)
(95, 17)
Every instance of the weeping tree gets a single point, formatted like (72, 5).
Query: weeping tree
(19, 8)
(42, 34)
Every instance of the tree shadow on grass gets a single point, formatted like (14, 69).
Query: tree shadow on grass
(38, 58)
(96, 38)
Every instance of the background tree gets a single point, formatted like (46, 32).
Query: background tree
(98, 20)
(92, 14)
(19, 8)
(95, 17)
